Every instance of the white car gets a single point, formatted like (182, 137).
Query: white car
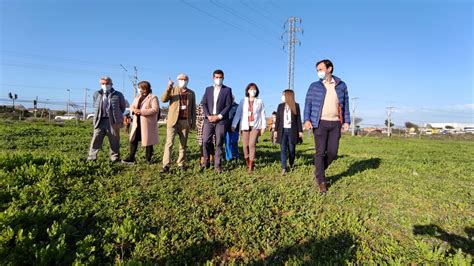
(91, 116)
(65, 117)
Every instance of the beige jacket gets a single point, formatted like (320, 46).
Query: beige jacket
(171, 95)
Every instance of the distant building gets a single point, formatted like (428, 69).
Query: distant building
(463, 127)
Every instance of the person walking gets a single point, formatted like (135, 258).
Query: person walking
(251, 115)
(326, 111)
(109, 106)
(288, 129)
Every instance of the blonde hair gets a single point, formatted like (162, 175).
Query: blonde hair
(290, 100)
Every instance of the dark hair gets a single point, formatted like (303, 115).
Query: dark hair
(248, 87)
(145, 85)
(274, 113)
(218, 71)
(327, 63)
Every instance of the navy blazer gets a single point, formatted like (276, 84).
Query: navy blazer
(296, 126)
(224, 103)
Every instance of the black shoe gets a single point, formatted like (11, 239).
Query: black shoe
(292, 167)
(127, 161)
(182, 168)
(165, 170)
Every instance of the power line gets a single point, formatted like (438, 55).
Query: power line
(8, 85)
(225, 22)
(72, 61)
(258, 12)
(52, 68)
(237, 14)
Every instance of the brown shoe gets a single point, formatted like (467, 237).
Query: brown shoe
(322, 188)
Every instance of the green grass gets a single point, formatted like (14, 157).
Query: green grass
(391, 201)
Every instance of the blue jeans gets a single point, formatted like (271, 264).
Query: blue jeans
(231, 145)
(284, 145)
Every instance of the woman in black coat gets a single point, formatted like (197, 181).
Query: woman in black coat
(288, 129)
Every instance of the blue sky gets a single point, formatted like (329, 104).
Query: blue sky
(414, 55)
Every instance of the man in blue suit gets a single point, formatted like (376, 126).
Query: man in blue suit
(216, 104)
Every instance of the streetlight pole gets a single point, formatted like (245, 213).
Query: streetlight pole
(68, 101)
(49, 111)
(85, 103)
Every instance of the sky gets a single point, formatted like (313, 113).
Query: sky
(416, 56)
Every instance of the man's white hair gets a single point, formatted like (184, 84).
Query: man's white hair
(106, 78)
(182, 75)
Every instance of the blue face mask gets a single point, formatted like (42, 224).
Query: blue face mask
(322, 75)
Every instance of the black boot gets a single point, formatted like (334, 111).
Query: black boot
(131, 156)
(149, 153)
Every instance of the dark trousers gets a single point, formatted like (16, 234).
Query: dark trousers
(286, 145)
(326, 138)
(134, 146)
(209, 130)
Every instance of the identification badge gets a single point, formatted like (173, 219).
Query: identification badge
(183, 107)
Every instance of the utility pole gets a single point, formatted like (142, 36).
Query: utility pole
(290, 31)
(354, 106)
(49, 112)
(35, 104)
(68, 101)
(135, 83)
(85, 103)
(123, 78)
(389, 120)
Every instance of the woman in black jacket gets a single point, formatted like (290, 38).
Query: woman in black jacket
(288, 129)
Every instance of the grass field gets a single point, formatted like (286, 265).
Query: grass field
(391, 201)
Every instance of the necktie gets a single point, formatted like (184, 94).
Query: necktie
(105, 104)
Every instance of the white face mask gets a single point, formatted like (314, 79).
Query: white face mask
(218, 81)
(283, 98)
(182, 83)
(321, 75)
(106, 87)
(252, 93)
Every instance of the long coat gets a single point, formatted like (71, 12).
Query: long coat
(296, 126)
(148, 119)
